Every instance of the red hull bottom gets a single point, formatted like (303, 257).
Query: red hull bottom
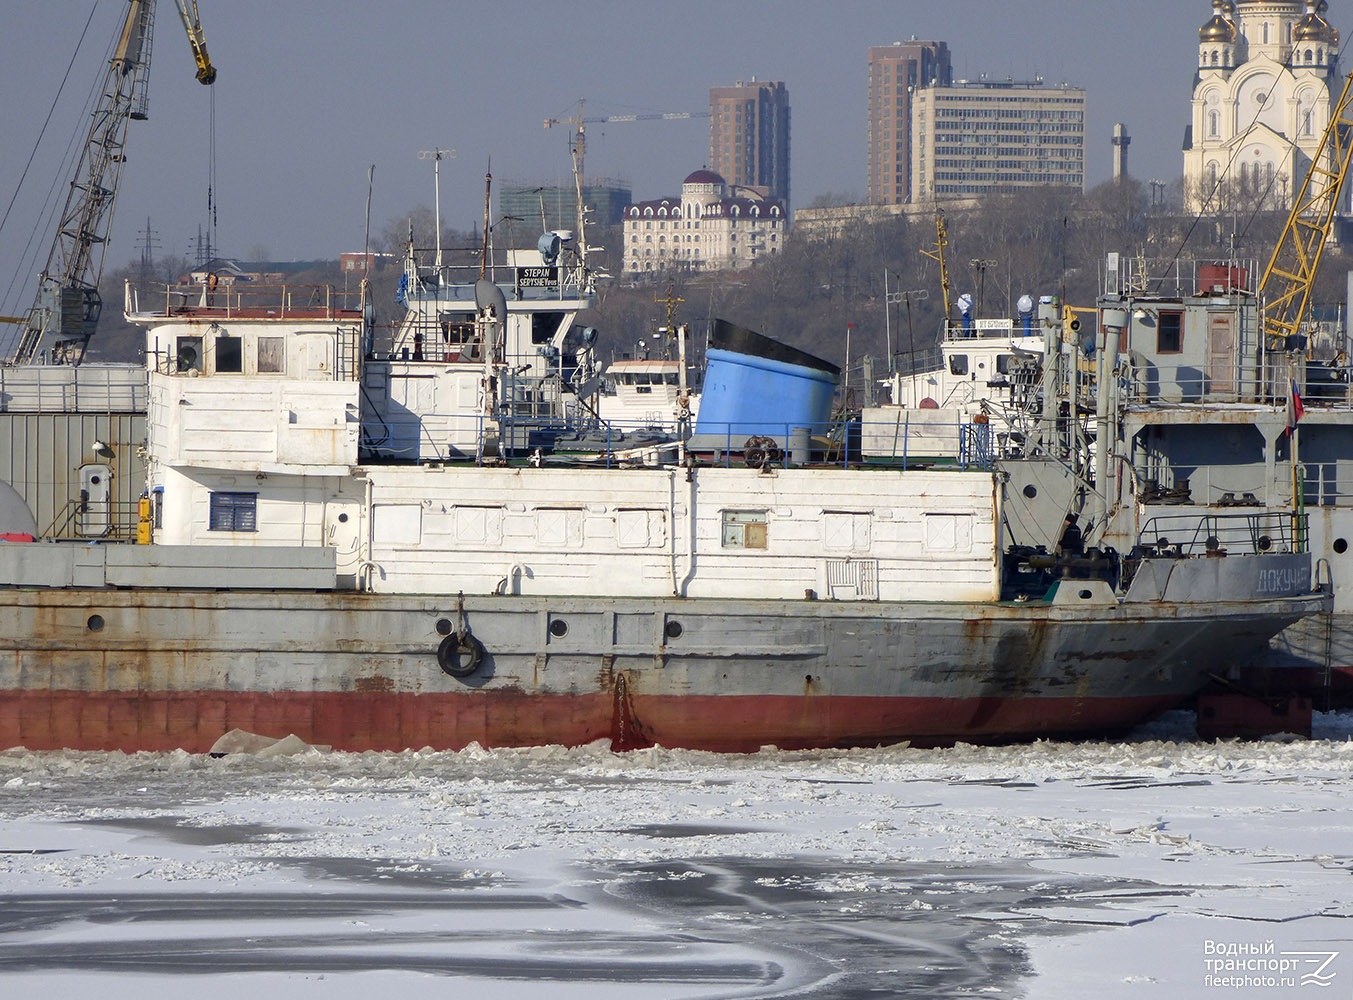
(159, 721)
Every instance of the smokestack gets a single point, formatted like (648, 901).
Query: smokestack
(1121, 141)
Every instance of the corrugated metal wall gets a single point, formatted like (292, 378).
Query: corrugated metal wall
(41, 455)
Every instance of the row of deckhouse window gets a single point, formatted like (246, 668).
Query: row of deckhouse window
(636, 528)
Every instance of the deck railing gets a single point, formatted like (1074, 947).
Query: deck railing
(1220, 534)
(229, 300)
(1319, 383)
(965, 445)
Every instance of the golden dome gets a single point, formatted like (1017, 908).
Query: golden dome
(1312, 27)
(1221, 28)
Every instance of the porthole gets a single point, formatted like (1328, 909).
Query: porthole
(95, 623)
(342, 518)
(444, 626)
(558, 628)
(1085, 595)
(1265, 543)
(673, 630)
(1031, 491)
(1341, 545)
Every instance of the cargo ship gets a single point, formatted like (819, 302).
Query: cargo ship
(394, 538)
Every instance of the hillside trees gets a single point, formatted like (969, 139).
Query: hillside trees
(1040, 241)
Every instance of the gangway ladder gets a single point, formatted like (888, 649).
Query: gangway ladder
(351, 350)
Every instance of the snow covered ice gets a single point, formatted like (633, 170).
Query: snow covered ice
(1045, 870)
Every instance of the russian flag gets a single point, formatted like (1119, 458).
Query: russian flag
(1295, 409)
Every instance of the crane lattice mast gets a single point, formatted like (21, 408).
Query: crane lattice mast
(1285, 291)
(66, 311)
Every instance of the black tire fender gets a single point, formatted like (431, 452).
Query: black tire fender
(460, 655)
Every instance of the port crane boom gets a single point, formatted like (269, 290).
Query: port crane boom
(66, 311)
(1285, 291)
(192, 24)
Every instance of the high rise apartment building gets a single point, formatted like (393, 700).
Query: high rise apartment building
(896, 73)
(971, 138)
(749, 137)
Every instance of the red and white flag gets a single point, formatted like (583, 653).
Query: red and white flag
(1295, 409)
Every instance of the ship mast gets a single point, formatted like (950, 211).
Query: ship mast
(941, 241)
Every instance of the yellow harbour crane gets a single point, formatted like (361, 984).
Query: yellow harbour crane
(1285, 290)
(192, 24)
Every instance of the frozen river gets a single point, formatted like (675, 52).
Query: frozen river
(1049, 871)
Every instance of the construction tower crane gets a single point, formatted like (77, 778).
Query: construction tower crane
(580, 123)
(66, 310)
(578, 144)
(1285, 291)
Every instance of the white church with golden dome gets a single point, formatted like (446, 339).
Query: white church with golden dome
(1262, 100)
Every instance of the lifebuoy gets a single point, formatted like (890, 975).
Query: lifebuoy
(460, 655)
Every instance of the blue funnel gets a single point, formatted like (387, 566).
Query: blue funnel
(758, 386)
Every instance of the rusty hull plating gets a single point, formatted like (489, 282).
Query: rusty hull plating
(114, 670)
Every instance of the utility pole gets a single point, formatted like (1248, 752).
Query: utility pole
(149, 244)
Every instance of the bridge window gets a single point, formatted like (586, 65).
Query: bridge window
(271, 355)
(189, 354)
(229, 354)
(958, 364)
(744, 529)
(233, 512)
(1169, 332)
(544, 325)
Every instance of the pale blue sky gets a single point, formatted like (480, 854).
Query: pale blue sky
(310, 95)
